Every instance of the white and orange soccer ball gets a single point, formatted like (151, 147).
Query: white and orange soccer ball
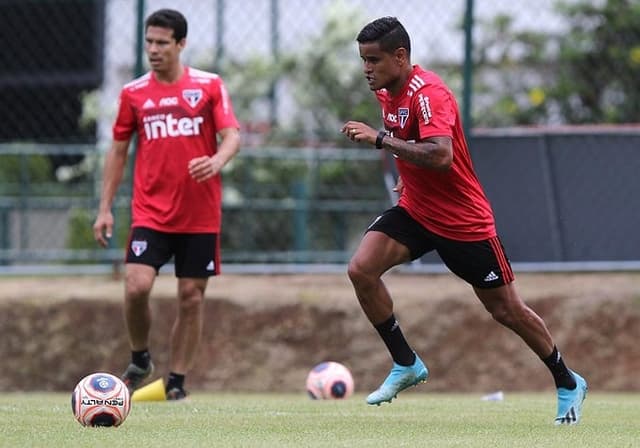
(328, 381)
(100, 399)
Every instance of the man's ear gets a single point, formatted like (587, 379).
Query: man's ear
(401, 55)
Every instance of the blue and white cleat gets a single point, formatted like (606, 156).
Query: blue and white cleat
(400, 378)
(570, 402)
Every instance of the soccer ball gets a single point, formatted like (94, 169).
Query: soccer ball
(100, 399)
(329, 380)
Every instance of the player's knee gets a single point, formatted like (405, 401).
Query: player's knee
(507, 315)
(137, 289)
(357, 273)
(190, 297)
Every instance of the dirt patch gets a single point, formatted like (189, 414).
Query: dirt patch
(264, 332)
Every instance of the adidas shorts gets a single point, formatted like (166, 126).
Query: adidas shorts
(196, 255)
(482, 264)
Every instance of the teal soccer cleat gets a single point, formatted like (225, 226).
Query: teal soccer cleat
(570, 402)
(400, 378)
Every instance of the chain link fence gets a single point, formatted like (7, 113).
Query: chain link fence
(297, 193)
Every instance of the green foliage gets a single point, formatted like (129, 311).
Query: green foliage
(80, 234)
(16, 172)
(598, 77)
(588, 74)
(80, 229)
(325, 78)
(328, 81)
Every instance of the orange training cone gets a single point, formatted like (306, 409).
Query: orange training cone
(151, 392)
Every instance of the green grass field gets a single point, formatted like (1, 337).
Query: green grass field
(261, 420)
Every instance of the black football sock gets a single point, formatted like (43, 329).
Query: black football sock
(175, 381)
(141, 358)
(393, 338)
(561, 375)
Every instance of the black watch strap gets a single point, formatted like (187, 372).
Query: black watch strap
(381, 135)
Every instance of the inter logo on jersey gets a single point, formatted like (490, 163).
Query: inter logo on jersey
(403, 113)
(192, 96)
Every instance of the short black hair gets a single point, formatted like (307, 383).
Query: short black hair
(388, 32)
(168, 18)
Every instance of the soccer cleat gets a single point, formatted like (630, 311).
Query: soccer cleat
(400, 378)
(134, 375)
(570, 402)
(176, 393)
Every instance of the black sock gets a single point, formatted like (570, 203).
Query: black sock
(141, 358)
(175, 381)
(561, 375)
(393, 338)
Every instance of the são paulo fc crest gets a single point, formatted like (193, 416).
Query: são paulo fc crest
(403, 114)
(138, 247)
(192, 96)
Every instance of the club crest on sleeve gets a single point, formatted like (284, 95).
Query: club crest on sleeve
(138, 247)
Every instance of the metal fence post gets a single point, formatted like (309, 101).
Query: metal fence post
(468, 68)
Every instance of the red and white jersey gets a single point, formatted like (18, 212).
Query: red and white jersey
(175, 123)
(452, 203)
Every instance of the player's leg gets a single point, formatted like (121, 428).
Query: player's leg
(196, 259)
(486, 267)
(185, 334)
(147, 251)
(507, 307)
(377, 253)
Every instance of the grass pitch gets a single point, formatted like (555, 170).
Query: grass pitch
(263, 420)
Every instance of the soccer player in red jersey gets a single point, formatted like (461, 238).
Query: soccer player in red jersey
(177, 113)
(442, 207)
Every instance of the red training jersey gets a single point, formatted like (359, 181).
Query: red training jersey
(452, 203)
(175, 123)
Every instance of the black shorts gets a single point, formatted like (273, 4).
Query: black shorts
(482, 264)
(196, 255)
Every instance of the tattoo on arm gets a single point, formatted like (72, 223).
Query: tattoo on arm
(427, 154)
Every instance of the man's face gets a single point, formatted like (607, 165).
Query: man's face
(382, 70)
(162, 49)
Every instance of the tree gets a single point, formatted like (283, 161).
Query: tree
(587, 75)
(598, 78)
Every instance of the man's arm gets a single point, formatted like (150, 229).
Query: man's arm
(203, 168)
(114, 164)
(434, 153)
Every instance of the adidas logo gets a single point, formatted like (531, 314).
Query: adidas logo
(491, 276)
(148, 104)
(211, 266)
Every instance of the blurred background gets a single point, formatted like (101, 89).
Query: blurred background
(550, 95)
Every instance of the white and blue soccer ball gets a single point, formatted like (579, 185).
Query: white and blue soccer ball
(101, 399)
(329, 381)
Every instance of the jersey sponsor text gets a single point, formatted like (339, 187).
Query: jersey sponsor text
(163, 126)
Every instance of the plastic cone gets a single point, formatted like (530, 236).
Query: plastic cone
(151, 392)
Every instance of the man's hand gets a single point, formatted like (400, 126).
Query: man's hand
(359, 132)
(399, 185)
(103, 228)
(204, 168)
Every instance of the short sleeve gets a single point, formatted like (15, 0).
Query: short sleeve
(436, 109)
(125, 123)
(223, 114)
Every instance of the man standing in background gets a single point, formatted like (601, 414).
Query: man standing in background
(177, 112)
